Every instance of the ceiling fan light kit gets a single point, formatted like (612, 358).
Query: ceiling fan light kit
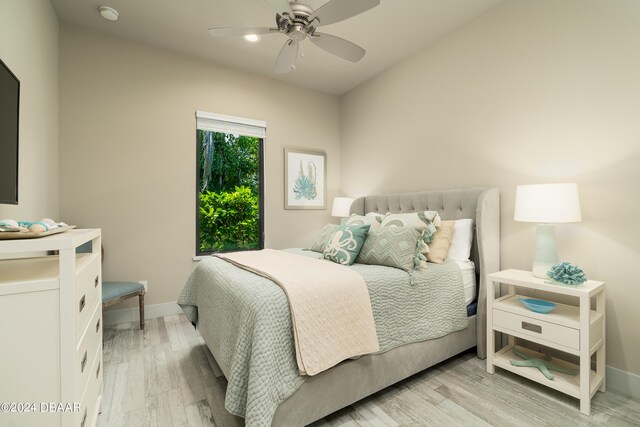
(251, 38)
(109, 13)
(299, 21)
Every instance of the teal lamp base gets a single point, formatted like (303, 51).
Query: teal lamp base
(545, 254)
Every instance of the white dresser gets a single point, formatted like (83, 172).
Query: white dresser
(51, 331)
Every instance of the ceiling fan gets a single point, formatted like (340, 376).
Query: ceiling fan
(298, 21)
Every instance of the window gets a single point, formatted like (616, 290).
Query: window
(229, 193)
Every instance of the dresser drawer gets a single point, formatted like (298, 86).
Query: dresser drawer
(90, 402)
(87, 294)
(86, 351)
(526, 327)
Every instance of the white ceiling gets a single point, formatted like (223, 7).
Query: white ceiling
(390, 32)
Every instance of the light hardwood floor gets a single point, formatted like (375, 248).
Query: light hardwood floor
(165, 376)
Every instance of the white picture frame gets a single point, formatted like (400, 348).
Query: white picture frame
(305, 178)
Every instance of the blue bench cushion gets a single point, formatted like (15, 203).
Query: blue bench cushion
(113, 290)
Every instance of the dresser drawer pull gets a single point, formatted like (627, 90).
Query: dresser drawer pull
(95, 283)
(84, 418)
(82, 302)
(98, 325)
(84, 362)
(98, 370)
(531, 327)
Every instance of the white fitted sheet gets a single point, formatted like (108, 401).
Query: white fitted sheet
(468, 270)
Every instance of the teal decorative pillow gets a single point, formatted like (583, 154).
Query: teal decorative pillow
(393, 247)
(372, 218)
(345, 244)
(426, 221)
(323, 238)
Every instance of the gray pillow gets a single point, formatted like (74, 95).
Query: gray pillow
(392, 247)
(323, 238)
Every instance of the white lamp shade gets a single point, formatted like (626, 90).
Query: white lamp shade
(547, 203)
(341, 207)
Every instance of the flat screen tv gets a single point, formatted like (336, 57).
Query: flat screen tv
(9, 112)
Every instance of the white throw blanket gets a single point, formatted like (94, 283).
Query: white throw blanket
(330, 306)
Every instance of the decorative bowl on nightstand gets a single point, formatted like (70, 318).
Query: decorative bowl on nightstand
(538, 305)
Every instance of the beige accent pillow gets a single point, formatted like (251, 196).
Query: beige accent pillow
(439, 246)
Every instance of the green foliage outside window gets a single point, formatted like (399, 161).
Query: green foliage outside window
(229, 220)
(229, 191)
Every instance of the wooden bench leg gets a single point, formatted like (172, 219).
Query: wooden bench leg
(141, 302)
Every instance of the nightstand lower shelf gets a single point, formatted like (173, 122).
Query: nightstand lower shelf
(568, 384)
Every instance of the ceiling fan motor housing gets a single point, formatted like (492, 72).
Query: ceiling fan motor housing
(297, 25)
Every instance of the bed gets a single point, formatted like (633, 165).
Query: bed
(317, 396)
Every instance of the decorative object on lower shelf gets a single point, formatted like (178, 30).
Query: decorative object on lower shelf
(544, 365)
(538, 305)
(565, 273)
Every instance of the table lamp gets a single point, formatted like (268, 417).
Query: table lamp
(341, 207)
(546, 204)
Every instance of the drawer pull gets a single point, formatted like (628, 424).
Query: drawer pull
(98, 370)
(84, 418)
(82, 302)
(531, 327)
(98, 325)
(95, 283)
(84, 362)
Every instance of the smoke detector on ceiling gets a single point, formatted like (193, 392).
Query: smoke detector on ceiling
(109, 13)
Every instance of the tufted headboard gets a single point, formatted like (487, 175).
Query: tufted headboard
(480, 204)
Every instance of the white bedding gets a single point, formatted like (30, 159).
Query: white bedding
(468, 270)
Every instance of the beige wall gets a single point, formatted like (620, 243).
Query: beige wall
(29, 47)
(529, 92)
(127, 151)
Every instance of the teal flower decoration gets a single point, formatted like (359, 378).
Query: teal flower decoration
(303, 187)
(305, 184)
(567, 274)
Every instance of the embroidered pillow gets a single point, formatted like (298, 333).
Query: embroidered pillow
(392, 247)
(345, 244)
(372, 218)
(439, 246)
(323, 238)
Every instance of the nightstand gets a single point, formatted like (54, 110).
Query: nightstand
(576, 330)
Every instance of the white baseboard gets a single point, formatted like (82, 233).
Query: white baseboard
(126, 315)
(623, 382)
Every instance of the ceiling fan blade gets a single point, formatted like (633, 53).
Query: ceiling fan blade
(287, 57)
(280, 5)
(338, 47)
(339, 10)
(232, 31)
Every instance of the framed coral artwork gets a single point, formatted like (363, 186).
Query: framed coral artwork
(305, 178)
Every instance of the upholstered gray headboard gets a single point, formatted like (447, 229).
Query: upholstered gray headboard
(480, 204)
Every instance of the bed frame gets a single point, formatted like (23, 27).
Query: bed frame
(353, 380)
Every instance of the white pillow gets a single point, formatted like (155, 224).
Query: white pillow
(461, 238)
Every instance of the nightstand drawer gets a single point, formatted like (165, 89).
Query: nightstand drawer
(527, 327)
